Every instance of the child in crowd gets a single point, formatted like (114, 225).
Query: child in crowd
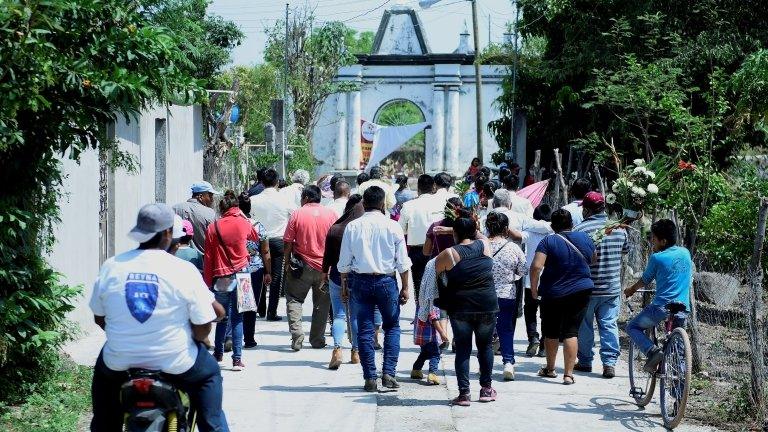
(672, 269)
(186, 251)
(429, 335)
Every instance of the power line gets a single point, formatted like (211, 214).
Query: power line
(366, 13)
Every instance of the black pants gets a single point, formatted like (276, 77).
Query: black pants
(276, 254)
(464, 326)
(418, 263)
(531, 307)
(249, 318)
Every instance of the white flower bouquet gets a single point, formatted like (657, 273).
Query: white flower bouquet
(635, 190)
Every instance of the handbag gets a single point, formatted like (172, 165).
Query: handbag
(246, 299)
(423, 331)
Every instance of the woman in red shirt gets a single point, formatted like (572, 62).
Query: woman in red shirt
(226, 256)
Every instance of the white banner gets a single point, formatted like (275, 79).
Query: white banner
(387, 139)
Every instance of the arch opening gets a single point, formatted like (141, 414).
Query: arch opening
(409, 159)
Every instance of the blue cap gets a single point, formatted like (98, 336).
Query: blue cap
(204, 186)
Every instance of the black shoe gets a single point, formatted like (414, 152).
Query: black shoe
(250, 345)
(228, 345)
(533, 347)
(261, 314)
(371, 386)
(582, 368)
(389, 382)
(542, 351)
(274, 318)
(609, 372)
(654, 358)
(376, 345)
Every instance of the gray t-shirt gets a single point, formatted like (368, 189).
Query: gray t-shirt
(200, 216)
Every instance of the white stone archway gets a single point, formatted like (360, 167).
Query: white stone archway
(442, 85)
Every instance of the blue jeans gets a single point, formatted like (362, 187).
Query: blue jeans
(228, 301)
(604, 309)
(506, 322)
(482, 325)
(649, 317)
(431, 352)
(202, 383)
(340, 317)
(369, 291)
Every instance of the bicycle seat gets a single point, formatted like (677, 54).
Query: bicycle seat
(675, 307)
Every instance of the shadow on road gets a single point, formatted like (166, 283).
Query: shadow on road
(296, 363)
(313, 389)
(616, 410)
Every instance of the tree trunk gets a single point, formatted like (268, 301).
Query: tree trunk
(756, 321)
(216, 164)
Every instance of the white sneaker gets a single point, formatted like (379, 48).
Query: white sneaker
(509, 372)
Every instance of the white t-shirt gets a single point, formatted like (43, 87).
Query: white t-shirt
(148, 299)
(273, 209)
(576, 211)
(417, 215)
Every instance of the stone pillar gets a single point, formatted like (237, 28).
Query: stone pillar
(340, 149)
(452, 132)
(353, 125)
(435, 154)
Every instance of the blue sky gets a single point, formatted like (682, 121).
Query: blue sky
(443, 21)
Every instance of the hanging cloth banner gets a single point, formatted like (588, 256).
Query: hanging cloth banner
(384, 141)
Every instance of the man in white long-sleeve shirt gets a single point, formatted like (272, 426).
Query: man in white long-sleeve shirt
(372, 250)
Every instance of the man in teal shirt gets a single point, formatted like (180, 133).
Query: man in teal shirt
(672, 269)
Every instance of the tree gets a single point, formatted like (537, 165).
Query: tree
(68, 68)
(207, 40)
(258, 86)
(314, 56)
(359, 43)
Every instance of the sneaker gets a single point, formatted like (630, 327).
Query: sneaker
(433, 379)
(487, 394)
(496, 347)
(609, 372)
(237, 365)
(533, 347)
(371, 386)
(274, 318)
(461, 400)
(417, 374)
(654, 358)
(355, 357)
(582, 368)
(509, 372)
(228, 345)
(297, 342)
(389, 382)
(444, 345)
(250, 345)
(542, 351)
(219, 357)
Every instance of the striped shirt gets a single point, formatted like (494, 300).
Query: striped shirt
(606, 271)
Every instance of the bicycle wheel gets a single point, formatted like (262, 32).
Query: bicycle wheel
(641, 383)
(676, 380)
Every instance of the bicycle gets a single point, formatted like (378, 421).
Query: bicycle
(674, 371)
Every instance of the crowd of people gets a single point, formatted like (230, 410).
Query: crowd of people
(473, 263)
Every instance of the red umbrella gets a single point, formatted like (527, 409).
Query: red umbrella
(535, 192)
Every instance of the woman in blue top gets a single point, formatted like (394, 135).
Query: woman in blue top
(672, 269)
(560, 275)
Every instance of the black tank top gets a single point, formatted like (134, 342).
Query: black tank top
(470, 287)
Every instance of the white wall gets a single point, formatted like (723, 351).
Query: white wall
(76, 253)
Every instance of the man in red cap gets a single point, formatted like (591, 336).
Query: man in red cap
(604, 304)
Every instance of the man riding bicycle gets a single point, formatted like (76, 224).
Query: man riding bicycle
(672, 269)
(156, 311)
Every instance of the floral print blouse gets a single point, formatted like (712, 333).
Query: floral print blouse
(509, 265)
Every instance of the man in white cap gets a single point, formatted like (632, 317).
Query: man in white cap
(156, 312)
(198, 210)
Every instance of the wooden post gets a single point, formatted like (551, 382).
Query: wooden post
(563, 185)
(599, 180)
(756, 320)
(556, 201)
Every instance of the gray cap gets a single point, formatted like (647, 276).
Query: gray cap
(152, 219)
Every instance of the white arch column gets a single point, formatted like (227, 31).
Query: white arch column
(435, 151)
(340, 149)
(353, 124)
(452, 131)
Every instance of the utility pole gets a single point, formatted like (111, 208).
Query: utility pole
(478, 83)
(489, 29)
(512, 135)
(284, 143)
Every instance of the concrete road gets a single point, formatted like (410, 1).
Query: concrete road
(282, 390)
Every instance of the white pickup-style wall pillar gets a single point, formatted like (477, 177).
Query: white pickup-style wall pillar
(452, 131)
(435, 152)
(340, 159)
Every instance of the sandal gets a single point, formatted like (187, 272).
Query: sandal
(547, 373)
(568, 380)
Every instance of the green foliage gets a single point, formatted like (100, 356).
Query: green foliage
(258, 86)
(359, 43)
(302, 157)
(57, 405)
(207, 40)
(68, 68)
